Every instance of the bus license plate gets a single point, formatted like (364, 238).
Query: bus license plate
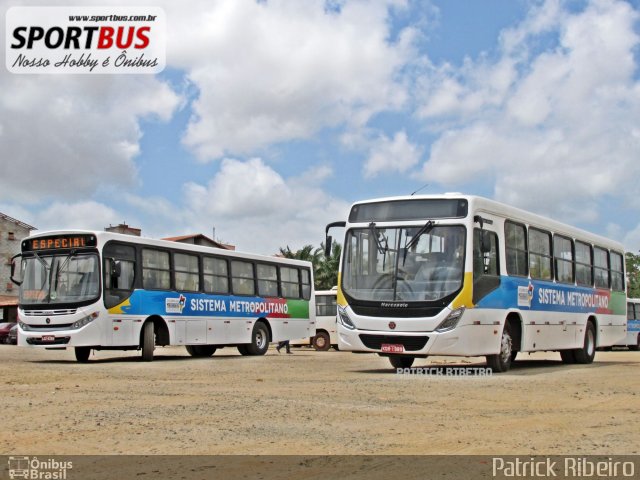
(48, 338)
(389, 348)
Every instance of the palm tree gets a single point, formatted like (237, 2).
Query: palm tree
(325, 270)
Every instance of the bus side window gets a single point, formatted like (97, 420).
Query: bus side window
(119, 273)
(486, 270)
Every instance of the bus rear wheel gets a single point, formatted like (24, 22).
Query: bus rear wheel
(201, 350)
(321, 341)
(401, 362)
(148, 342)
(259, 340)
(243, 350)
(502, 361)
(82, 354)
(588, 350)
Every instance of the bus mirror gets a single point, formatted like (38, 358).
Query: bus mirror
(485, 244)
(114, 268)
(17, 281)
(327, 246)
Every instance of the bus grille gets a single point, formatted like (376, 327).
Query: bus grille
(49, 313)
(51, 328)
(411, 312)
(57, 341)
(411, 344)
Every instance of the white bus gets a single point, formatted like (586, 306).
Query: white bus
(466, 276)
(106, 291)
(632, 340)
(326, 326)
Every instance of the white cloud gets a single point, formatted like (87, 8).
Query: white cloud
(389, 155)
(87, 215)
(554, 128)
(65, 135)
(269, 72)
(254, 207)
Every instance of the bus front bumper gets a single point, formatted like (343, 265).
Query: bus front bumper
(86, 336)
(464, 340)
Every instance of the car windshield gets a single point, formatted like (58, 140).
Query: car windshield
(59, 279)
(409, 264)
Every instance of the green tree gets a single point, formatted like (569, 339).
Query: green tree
(326, 272)
(307, 253)
(633, 275)
(325, 269)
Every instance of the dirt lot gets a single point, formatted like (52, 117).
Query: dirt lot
(313, 403)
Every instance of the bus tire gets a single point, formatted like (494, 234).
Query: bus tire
(82, 354)
(635, 347)
(502, 361)
(567, 356)
(401, 362)
(148, 342)
(588, 350)
(243, 350)
(259, 340)
(321, 342)
(200, 350)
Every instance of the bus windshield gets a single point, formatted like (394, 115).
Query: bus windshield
(404, 263)
(59, 279)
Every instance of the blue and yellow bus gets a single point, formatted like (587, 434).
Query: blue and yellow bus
(463, 275)
(100, 290)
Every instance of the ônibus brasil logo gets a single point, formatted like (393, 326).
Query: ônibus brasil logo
(85, 40)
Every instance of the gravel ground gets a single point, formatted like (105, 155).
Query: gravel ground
(314, 403)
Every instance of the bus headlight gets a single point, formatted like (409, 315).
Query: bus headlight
(23, 326)
(344, 318)
(85, 320)
(451, 321)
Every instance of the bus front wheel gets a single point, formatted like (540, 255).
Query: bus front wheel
(502, 361)
(82, 354)
(401, 362)
(148, 342)
(321, 341)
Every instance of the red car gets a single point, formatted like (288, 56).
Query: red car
(12, 338)
(4, 331)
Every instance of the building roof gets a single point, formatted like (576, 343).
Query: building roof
(199, 236)
(17, 222)
(8, 301)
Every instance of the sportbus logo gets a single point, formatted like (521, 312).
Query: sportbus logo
(85, 40)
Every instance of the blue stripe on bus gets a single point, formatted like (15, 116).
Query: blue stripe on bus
(146, 302)
(536, 295)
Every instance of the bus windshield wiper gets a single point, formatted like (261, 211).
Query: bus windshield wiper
(376, 235)
(426, 228)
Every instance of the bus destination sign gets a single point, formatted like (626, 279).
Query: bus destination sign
(59, 242)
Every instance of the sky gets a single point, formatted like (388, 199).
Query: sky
(272, 117)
